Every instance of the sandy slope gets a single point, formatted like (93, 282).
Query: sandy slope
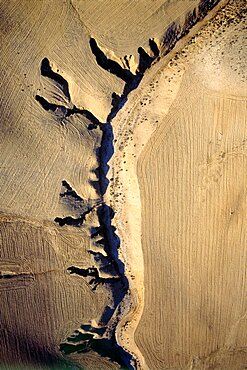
(133, 126)
(192, 176)
(41, 304)
(123, 26)
(49, 171)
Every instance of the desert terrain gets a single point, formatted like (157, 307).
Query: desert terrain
(192, 176)
(123, 170)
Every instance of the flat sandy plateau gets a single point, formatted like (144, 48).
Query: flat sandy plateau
(123, 184)
(192, 178)
(190, 116)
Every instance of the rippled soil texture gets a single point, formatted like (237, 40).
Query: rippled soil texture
(192, 176)
(84, 84)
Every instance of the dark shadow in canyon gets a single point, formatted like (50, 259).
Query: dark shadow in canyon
(110, 263)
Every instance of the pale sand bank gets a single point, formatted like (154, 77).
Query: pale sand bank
(181, 79)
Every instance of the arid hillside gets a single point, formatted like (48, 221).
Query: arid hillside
(192, 176)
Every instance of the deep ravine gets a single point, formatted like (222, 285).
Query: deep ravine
(102, 339)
